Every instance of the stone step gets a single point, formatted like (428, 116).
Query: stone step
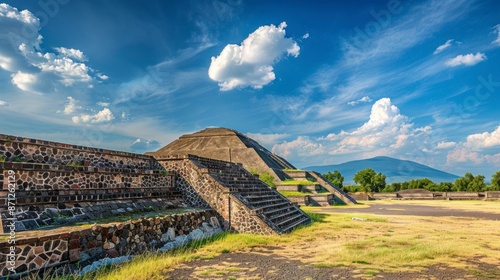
(277, 210)
(297, 215)
(294, 211)
(304, 220)
(272, 205)
(266, 201)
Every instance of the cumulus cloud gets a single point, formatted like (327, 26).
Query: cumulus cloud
(445, 145)
(141, 145)
(467, 60)
(102, 76)
(103, 104)
(497, 31)
(443, 47)
(105, 115)
(473, 149)
(24, 81)
(72, 53)
(386, 127)
(3, 103)
(32, 69)
(386, 132)
(71, 106)
(305, 36)
(267, 139)
(484, 140)
(302, 146)
(364, 99)
(251, 63)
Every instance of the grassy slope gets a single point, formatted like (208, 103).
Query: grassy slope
(389, 243)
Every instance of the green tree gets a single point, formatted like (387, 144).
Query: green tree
(469, 183)
(369, 180)
(477, 184)
(335, 178)
(495, 182)
(379, 182)
(364, 178)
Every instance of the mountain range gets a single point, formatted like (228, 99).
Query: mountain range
(396, 170)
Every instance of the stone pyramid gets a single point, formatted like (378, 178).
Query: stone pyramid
(228, 145)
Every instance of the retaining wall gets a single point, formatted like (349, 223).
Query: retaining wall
(99, 241)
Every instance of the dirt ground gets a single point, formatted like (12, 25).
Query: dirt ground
(266, 262)
(261, 263)
(413, 210)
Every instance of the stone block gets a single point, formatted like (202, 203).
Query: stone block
(74, 255)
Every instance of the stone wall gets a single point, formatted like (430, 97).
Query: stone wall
(99, 241)
(57, 194)
(20, 149)
(200, 189)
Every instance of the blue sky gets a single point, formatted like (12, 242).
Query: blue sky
(317, 82)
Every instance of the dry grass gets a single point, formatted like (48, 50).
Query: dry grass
(379, 243)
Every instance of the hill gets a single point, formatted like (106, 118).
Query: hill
(396, 170)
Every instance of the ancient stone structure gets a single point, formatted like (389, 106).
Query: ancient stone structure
(57, 183)
(245, 202)
(227, 145)
(56, 248)
(47, 184)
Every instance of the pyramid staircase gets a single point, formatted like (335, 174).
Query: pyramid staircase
(267, 204)
(339, 195)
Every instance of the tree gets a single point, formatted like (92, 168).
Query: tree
(495, 182)
(370, 180)
(477, 184)
(335, 178)
(469, 183)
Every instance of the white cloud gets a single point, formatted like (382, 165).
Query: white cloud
(24, 81)
(305, 36)
(3, 103)
(468, 59)
(103, 104)
(267, 139)
(141, 145)
(32, 69)
(251, 63)
(302, 146)
(443, 46)
(71, 106)
(386, 127)
(472, 150)
(497, 31)
(102, 76)
(102, 116)
(364, 99)
(484, 140)
(445, 145)
(72, 53)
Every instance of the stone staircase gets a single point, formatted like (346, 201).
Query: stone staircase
(322, 182)
(267, 204)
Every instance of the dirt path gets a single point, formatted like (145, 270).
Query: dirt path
(413, 210)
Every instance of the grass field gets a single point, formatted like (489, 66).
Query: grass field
(379, 243)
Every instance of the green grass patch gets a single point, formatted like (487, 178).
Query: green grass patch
(290, 182)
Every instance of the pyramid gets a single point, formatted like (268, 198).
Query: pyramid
(227, 145)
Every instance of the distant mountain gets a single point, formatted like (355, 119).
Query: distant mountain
(396, 170)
